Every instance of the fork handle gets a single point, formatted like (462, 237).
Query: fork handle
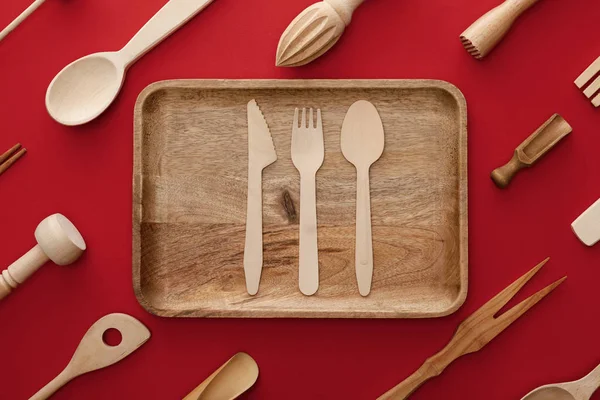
(308, 274)
(364, 238)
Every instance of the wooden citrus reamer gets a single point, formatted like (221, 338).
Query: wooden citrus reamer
(58, 240)
(474, 333)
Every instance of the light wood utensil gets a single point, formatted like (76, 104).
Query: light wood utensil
(481, 37)
(474, 333)
(261, 154)
(93, 353)
(58, 240)
(85, 88)
(362, 143)
(11, 156)
(308, 153)
(229, 382)
(594, 86)
(21, 18)
(314, 31)
(532, 149)
(583, 389)
(587, 225)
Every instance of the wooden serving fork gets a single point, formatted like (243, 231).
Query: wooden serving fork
(474, 333)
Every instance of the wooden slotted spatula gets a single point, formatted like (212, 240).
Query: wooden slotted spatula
(93, 354)
(474, 333)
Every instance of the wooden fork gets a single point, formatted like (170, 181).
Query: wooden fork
(474, 333)
(308, 152)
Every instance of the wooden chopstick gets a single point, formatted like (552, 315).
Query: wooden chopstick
(13, 154)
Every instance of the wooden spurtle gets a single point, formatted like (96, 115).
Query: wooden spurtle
(314, 31)
(11, 156)
(532, 149)
(485, 33)
(582, 389)
(474, 333)
(93, 354)
(232, 379)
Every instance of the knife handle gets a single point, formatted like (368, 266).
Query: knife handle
(308, 274)
(253, 250)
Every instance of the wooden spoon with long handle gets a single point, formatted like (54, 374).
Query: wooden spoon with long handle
(582, 389)
(93, 354)
(232, 379)
(362, 142)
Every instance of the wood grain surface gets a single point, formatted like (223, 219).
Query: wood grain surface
(189, 195)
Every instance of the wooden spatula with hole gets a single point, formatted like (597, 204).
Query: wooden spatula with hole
(532, 149)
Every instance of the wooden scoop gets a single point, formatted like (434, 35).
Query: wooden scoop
(532, 149)
(93, 354)
(314, 31)
(583, 389)
(228, 382)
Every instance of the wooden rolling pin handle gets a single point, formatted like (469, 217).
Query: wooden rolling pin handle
(503, 175)
(345, 8)
(21, 269)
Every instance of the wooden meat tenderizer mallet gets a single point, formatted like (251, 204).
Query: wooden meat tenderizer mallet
(314, 31)
(58, 240)
(485, 33)
(532, 149)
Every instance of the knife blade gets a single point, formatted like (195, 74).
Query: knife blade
(261, 154)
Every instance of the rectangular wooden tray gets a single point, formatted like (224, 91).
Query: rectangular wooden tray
(190, 186)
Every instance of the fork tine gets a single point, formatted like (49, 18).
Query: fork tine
(311, 123)
(303, 123)
(296, 119)
(494, 305)
(319, 120)
(511, 315)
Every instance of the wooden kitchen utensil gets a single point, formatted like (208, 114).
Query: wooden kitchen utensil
(181, 210)
(20, 18)
(362, 143)
(587, 225)
(86, 87)
(261, 154)
(481, 37)
(583, 389)
(532, 149)
(314, 31)
(10, 157)
(308, 153)
(593, 87)
(58, 240)
(474, 333)
(229, 382)
(93, 353)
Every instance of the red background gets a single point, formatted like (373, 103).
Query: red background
(85, 173)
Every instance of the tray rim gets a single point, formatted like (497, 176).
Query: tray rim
(137, 189)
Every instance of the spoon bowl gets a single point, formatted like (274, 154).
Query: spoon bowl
(549, 393)
(85, 88)
(582, 389)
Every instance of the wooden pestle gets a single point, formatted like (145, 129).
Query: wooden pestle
(485, 33)
(58, 240)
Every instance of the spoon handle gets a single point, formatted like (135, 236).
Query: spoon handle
(166, 21)
(590, 383)
(364, 240)
(61, 380)
(21, 18)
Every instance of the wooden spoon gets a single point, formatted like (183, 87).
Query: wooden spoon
(228, 382)
(362, 142)
(583, 389)
(86, 87)
(93, 354)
